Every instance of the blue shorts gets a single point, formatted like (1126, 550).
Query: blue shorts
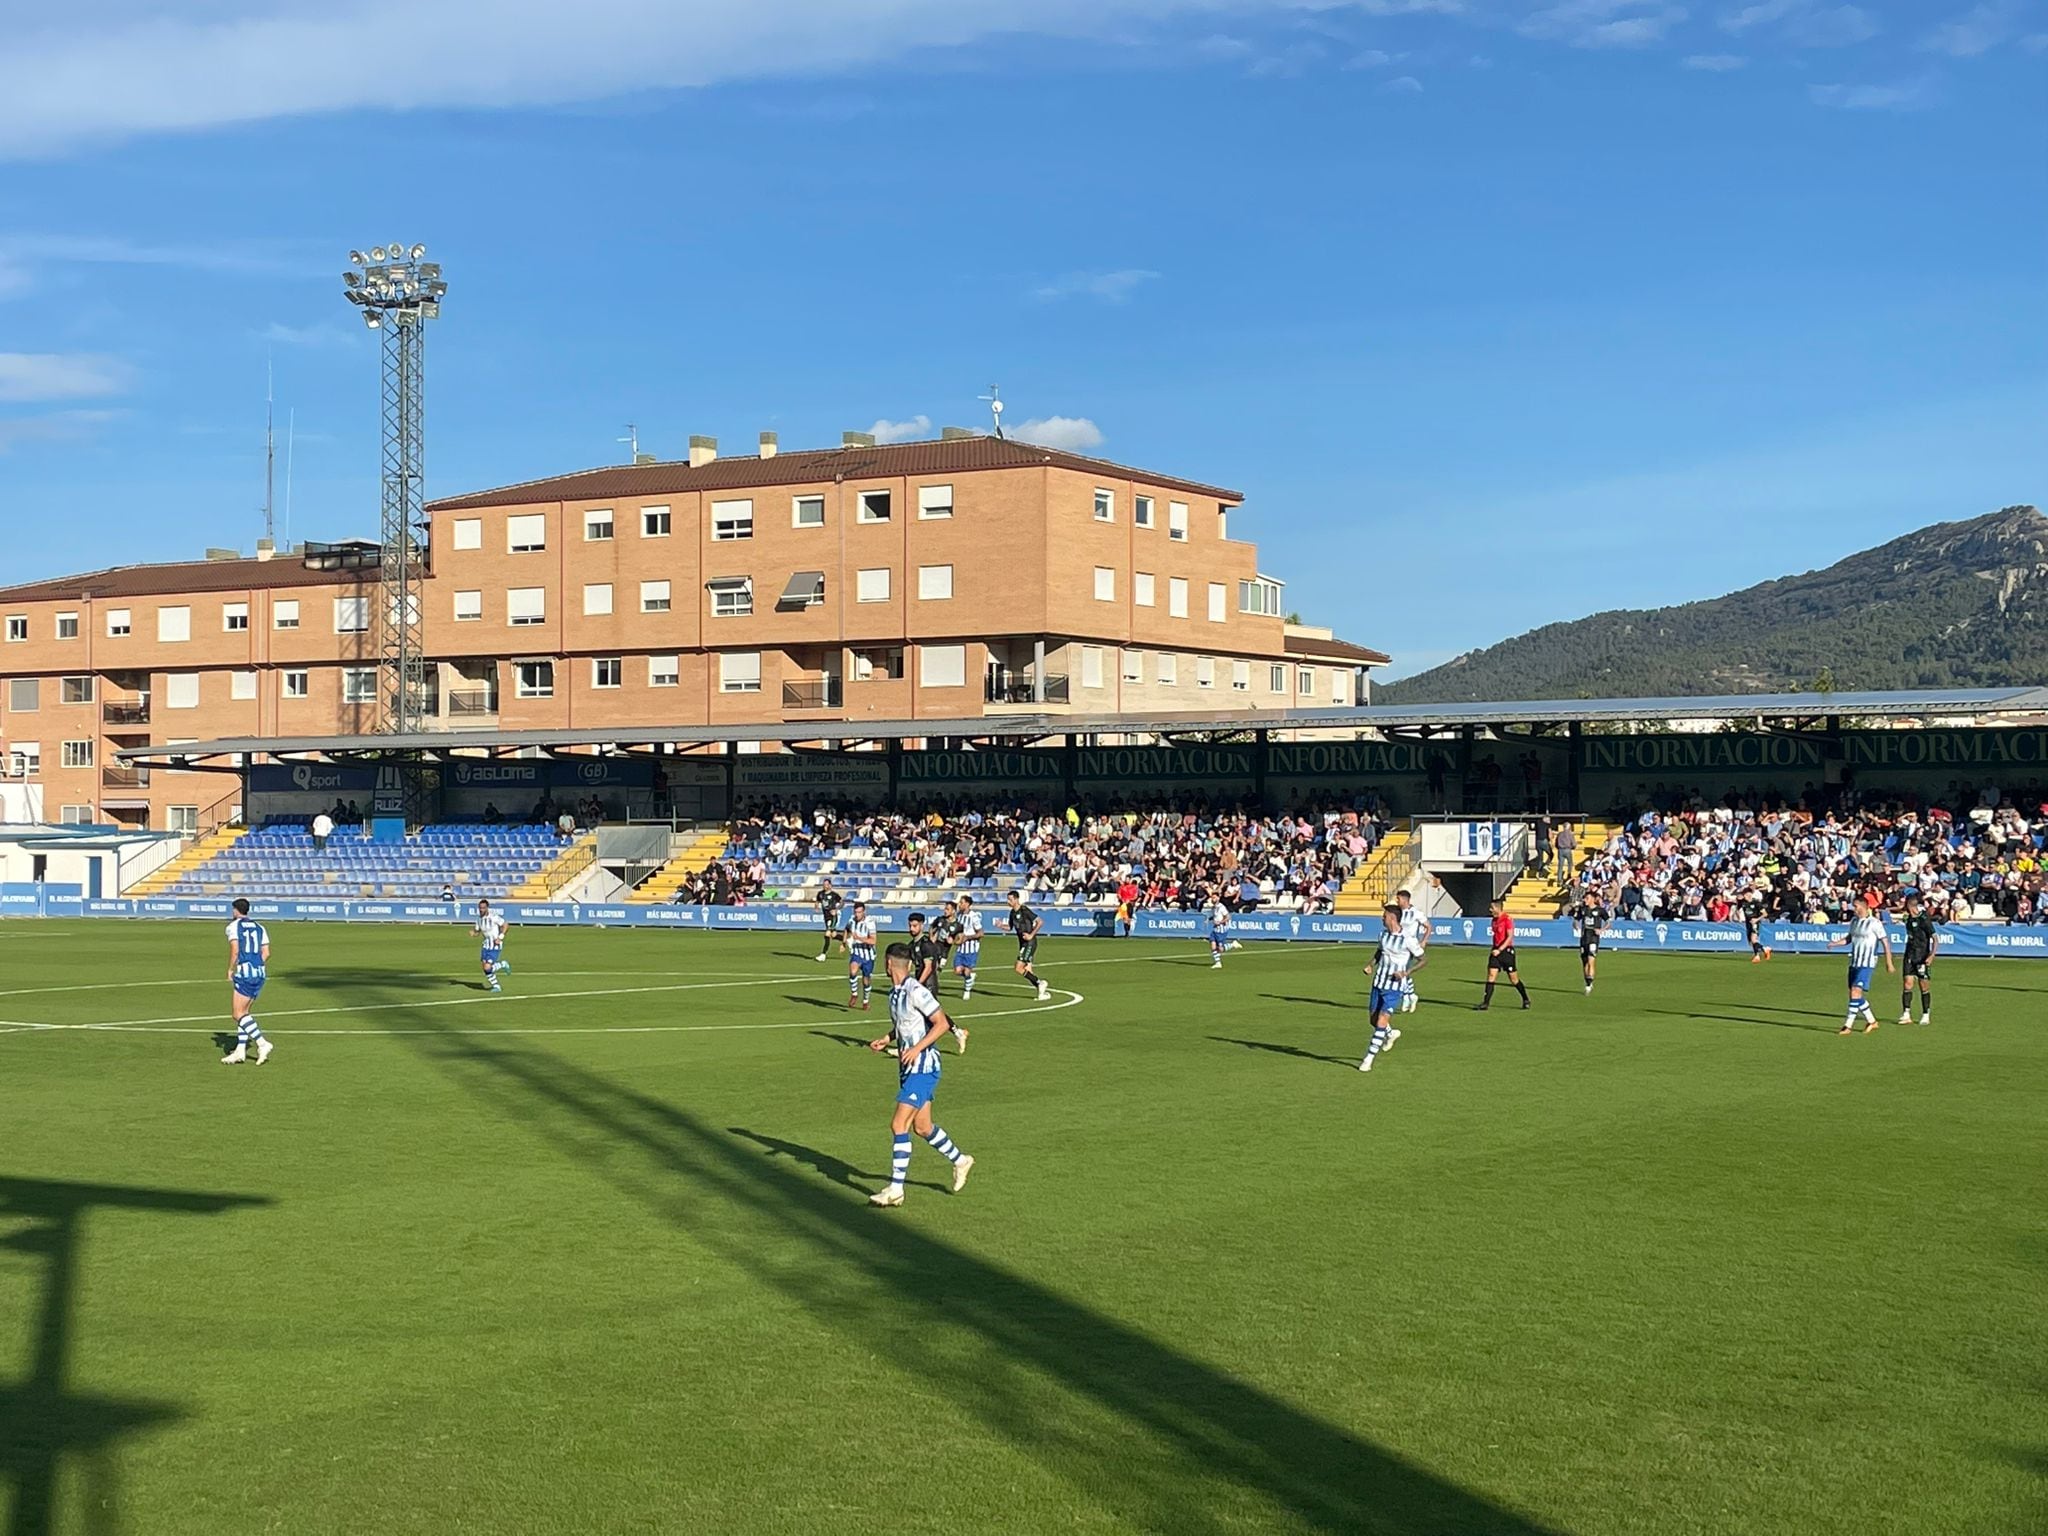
(250, 987)
(1859, 975)
(1219, 936)
(864, 961)
(967, 957)
(1385, 1000)
(917, 1089)
(490, 955)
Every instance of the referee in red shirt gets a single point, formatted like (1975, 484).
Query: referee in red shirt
(1501, 957)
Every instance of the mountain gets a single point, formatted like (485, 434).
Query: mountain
(1954, 605)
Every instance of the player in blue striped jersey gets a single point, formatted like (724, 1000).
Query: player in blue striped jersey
(248, 969)
(860, 958)
(490, 930)
(1415, 930)
(917, 1024)
(1866, 936)
(967, 949)
(1389, 973)
(1219, 931)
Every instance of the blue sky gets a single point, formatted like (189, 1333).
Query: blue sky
(1499, 311)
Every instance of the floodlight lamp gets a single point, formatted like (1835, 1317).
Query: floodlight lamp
(377, 253)
(356, 257)
(430, 269)
(431, 309)
(417, 252)
(350, 279)
(372, 319)
(397, 251)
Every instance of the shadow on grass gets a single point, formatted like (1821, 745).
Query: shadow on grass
(1277, 1049)
(45, 1428)
(829, 1004)
(1736, 1018)
(826, 1034)
(1165, 1440)
(837, 1169)
(1313, 1002)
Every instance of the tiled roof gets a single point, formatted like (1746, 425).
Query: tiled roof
(1336, 650)
(182, 576)
(936, 456)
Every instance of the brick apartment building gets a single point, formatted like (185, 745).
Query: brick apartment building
(959, 576)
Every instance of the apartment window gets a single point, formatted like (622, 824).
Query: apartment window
(597, 599)
(654, 597)
(607, 672)
(1338, 686)
(67, 626)
(663, 672)
(526, 533)
(1205, 671)
(807, 511)
(234, 617)
(1134, 666)
(1177, 597)
(1276, 678)
(1091, 666)
(739, 672)
(871, 586)
(942, 666)
(1241, 677)
(77, 754)
(1167, 670)
(412, 608)
(24, 694)
(1177, 521)
(934, 582)
(173, 624)
(285, 615)
(654, 522)
(242, 685)
(351, 615)
(1105, 506)
(732, 597)
(181, 690)
(1218, 598)
(469, 606)
(1144, 591)
(25, 759)
(873, 507)
(934, 501)
(1105, 584)
(597, 526)
(1259, 595)
(1305, 681)
(76, 816)
(120, 622)
(77, 690)
(359, 685)
(1141, 511)
(526, 606)
(534, 679)
(886, 665)
(181, 818)
(297, 684)
(469, 533)
(732, 520)
(17, 626)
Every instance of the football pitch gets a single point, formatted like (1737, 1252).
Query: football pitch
(595, 1255)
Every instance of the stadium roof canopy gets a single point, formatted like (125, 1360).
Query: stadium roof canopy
(1406, 719)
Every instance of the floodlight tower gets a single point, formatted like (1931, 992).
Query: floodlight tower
(398, 293)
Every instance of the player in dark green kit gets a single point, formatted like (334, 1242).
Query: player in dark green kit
(1922, 940)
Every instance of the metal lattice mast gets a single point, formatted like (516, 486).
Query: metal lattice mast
(398, 294)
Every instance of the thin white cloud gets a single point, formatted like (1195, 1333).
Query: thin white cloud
(887, 431)
(51, 427)
(1805, 23)
(1372, 58)
(27, 377)
(1110, 287)
(1073, 433)
(1403, 85)
(14, 278)
(318, 335)
(1905, 96)
(1977, 31)
(1604, 23)
(1715, 63)
(228, 256)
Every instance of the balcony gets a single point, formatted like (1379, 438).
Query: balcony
(126, 712)
(473, 702)
(1015, 690)
(124, 778)
(813, 693)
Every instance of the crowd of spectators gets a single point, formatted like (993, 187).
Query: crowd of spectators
(1797, 865)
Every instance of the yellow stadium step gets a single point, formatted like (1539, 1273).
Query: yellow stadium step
(550, 879)
(663, 884)
(1535, 897)
(1367, 889)
(217, 841)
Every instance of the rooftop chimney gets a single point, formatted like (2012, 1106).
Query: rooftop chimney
(770, 444)
(856, 439)
(702, 451)
(645, 458)
(223, 554)
(954, 434)
(265, 548)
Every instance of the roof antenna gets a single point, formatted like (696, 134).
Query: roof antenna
(994, 397)
(632, 441)
(269, 452)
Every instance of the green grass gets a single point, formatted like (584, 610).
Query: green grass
(1671, 1259)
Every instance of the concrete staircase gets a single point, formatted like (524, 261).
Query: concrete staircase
(1534, 898)
(694, 859)
(196, 854)
(1374, 881)
(550, 879)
